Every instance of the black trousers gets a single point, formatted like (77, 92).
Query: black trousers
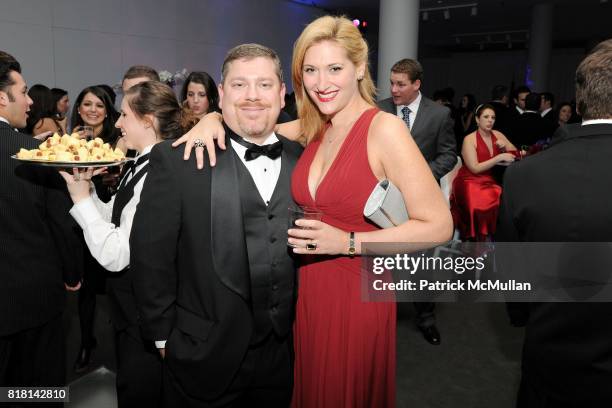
(94, 283)
(139, 371)
(265, 379)
(425, 316)
(532, 396)
(34, 358)
(87, 312)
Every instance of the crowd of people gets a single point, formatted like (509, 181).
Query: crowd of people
(214, 300)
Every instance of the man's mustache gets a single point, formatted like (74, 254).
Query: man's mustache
(254, 105)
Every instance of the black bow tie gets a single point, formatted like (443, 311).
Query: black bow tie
(253, 151)
(130, 168)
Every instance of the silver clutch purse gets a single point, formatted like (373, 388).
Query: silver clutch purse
(385, 206)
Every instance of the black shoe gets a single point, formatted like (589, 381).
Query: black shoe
(83, 359)
(431, 334)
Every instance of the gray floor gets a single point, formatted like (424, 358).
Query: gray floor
(476, 366)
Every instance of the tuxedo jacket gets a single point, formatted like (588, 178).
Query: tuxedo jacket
(552, 116)
(190, 266)
(528, 128)
(562, 194)
(433, 132)
(40, 245)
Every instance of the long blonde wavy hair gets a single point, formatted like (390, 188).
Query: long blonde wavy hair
(341, 31)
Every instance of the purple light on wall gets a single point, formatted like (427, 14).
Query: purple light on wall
(528, 80)
(356, 22)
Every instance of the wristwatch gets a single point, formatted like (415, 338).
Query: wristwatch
(351, 251)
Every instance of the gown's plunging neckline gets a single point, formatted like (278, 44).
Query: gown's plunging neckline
(340, 151)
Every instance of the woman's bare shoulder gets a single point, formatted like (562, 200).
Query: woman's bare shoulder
(470, 137)
(386, 127)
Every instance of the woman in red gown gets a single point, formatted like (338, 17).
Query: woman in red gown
(475, 193)
(345, 346)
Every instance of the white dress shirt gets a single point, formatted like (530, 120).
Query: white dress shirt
(2, 119)
(545, 111)
(414, 108)
(108, 244)
(264, 170)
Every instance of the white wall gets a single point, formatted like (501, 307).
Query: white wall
(72, 44)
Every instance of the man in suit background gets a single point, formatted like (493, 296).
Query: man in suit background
(432, 128)
(560, 195)
(547, 104)
(530, 126)
(520, 94)
(213, 277)
(430, 124)
(40, 249)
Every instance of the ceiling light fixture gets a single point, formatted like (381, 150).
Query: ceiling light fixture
(473, 6)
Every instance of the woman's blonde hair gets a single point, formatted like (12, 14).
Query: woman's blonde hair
(341, 31)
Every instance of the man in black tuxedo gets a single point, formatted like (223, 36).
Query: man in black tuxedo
(547, 104)
(519, 98)
(530, 126)
(432, 128)
(214, 278)
(40, 249)
(561, 195)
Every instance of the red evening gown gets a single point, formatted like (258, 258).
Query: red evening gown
(475, 197)
(344, 347)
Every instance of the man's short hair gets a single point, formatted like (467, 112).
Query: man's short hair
(249, 52)
(408, 66)
(594, 84)
(532, 101)
(548, 97)
(521, 89)
(498, 92)
(141, 71)
(8, 63)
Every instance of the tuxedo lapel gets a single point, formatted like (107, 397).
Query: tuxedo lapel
(229, 253)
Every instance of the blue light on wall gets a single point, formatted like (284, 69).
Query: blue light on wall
(528, 80)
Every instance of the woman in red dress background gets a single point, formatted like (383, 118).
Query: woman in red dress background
(345, 346)
(475, 194)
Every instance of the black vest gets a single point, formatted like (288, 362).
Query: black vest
(124, 312)
(271, 267)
